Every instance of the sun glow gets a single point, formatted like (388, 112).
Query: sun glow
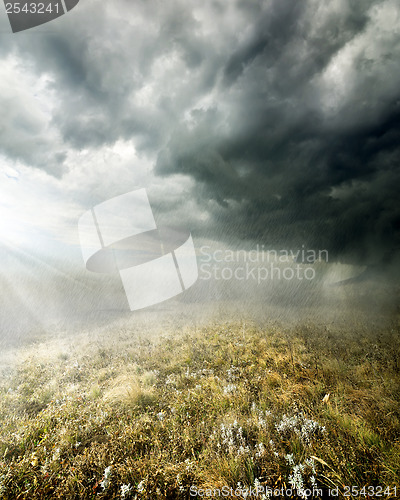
(14, 230)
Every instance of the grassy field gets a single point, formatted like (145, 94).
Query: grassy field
(164, 414)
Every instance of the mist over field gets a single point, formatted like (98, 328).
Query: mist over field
(42, 297)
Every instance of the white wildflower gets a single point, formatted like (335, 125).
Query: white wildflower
(189, 464)
(126, 490)
(306, 429)
(231, 439)
(106, 477)
(289, 458)
(243, 450)
(296, 478)
(231, 373)
(299, 473)
(179, 481)
(260, 450)
(229, 389)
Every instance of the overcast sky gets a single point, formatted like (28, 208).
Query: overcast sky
(275, 121)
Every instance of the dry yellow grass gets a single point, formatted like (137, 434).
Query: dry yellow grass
(205, 407)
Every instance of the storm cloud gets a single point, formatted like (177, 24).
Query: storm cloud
(283, 116)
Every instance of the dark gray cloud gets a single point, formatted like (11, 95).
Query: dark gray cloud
(284, 114)
(286, 163)
(104, 59)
